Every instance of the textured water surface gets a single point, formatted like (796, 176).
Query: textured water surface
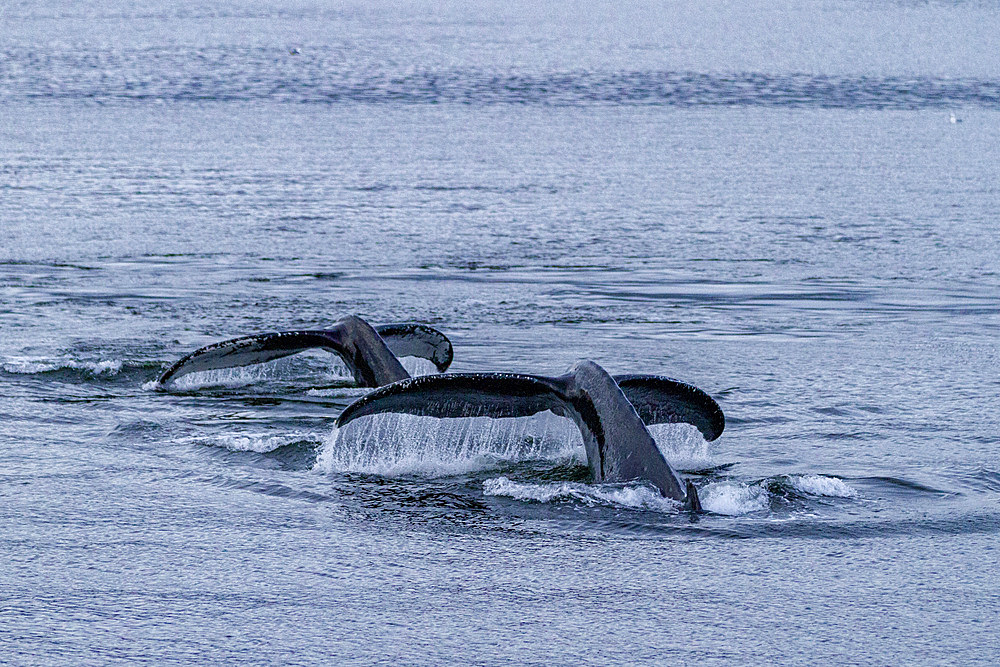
(790, 205)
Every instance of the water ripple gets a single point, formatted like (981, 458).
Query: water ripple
(247, 74)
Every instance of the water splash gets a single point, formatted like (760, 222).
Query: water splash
(304, 367)
(728, 498)
(682, 445)
(405, 444)
(733, 498)
(417, 366)
(38, 365)
(262, 443)
(393, 445)
(309, 367)
(628, 496)
(818, 485)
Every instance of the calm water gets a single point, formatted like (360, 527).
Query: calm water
(791, 205)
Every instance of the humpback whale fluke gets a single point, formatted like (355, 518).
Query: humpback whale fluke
(407, 339)
(663, 400)
(369, 353)
(619, 447)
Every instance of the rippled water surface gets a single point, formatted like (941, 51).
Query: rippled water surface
(790, 205)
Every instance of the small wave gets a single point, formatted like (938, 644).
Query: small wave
(262, 443)
(40, 365)
(733, 498)
(818, 485)
(628, 496)
(395, 445)
(729, 498)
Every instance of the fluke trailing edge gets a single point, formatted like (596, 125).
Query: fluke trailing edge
(611, 413)
(369, 353)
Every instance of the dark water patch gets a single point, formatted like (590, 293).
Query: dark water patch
(299, 455)
(457, 498)
(822, 529)
(474, 265)
(833, 411)
(773, 419)
(906, 485)
(183, 255)
(710, 472)
(375, 187)
(51, 265)
(93, 398)
(983, 479)
(274, 489)
(544, 471)
(851, 435)
(139, 429)
(243, 74)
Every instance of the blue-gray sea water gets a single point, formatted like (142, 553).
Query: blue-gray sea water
(792, 205)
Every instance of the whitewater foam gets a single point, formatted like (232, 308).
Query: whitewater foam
(34, 365)
(733, 498)
(261, 443)
(818, 485)
(629, 496)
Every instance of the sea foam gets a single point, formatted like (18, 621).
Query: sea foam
(818, 485)
(628, 496)
(34, 365)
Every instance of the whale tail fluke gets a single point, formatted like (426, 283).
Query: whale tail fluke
(418, 340)
(663, 400)
(455, 395)
(369, 353)
(619, 448)
(247, 351)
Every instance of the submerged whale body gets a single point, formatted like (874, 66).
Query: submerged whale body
(611, 413)
(370, 353)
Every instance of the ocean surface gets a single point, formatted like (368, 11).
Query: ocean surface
(794, 206)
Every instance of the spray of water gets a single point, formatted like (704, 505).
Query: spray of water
(34, 365)
(319, 367)
(394, 445)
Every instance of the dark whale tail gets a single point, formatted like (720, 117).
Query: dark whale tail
(370, 354)
(619, 447)
(418, 340)
(663, 400)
